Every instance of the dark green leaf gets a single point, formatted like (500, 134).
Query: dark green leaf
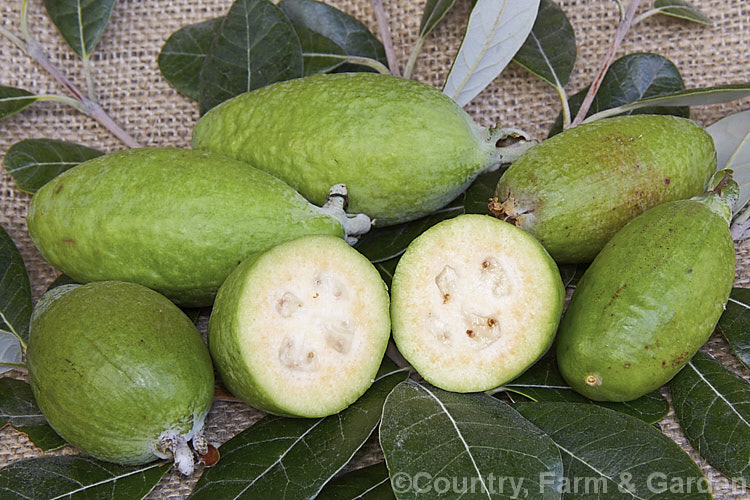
(434, 12)
(630, 78)
(78, 477)
(13, 100)
(368, 483)
(315, 48)
(193, 313)
(431, 438)
(607, 454)
(496, 30)
(543, 382)
(691, 97)
(712, 405)
(386, 269)
(34, 162)
(18, 408)
(61, 280)
(255, 45)
(571, 273)
(550, 50)
(735, 324)
(288, 458)
(477, 196)
(81, 22)
(15, 290)
(338, 27)
(181, 58)
(682, 10)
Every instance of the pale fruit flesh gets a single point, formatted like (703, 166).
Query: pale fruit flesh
(302, 329)
(475, 302)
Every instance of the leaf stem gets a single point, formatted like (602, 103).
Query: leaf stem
(621, 8)
(87, 71)
(69, 101)
(13, 38)
(15, 366)
(409, 70)
(646, 15)
(385, 34)
(362, 61)
(565, 105)
(622, 30)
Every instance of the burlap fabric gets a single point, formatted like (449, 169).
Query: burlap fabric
(132, 90)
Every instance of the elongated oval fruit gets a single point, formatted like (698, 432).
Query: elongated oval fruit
(121, 373)
(475, 301)
(576, 189)
(648, 302)
(301, 329)
(176, 221)
(403, 149)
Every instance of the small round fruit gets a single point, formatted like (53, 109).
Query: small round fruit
(475, 301)
(120, 372)
(301, 329)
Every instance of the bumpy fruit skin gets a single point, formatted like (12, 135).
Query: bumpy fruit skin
(576, 189)
(114, 365)
(403, 149)
(246, 351)
(176, 221)
(647, 303)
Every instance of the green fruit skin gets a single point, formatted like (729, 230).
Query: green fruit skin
(176, 221)
(576, 189)
(648, 302)
(113, 365)
(403, 149)
(225, 333)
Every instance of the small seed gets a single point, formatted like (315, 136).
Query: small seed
(471, 333)
(446, 298)
(491, 322)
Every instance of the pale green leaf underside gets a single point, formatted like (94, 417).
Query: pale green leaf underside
(80, 22)
(496, 30)
(682, 10)
(732, 139)
(10, 351)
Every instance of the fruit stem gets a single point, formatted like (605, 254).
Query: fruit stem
(721, 195)
(336, 205)
(182, 455)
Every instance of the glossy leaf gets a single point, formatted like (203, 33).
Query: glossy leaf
(182, 56)
(683, 10)
(432, 437)
(496, 30)
(386, 269)
(279, 457)
(381, 244)
(434, 12)
(15, 290)
(550, 50)
(337, 26)
(61, 280)
(731, 137)
(367, 483)
(13, 100)
(630, 78)
(712, 405)
(34, 162)
(690, 97)
(81, 22)
(543, 382)
(18, 409)
(607, 454)
(735, 324)
(255, 45)
(78, 477)
(315, 47)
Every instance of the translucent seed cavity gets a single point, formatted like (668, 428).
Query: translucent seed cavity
(330, 285)
(493, 276)
(340, 337)
(440, 329)
(288, 304)
(446, 282)
(295, 357)
(481, 330)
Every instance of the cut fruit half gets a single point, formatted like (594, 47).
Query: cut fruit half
(301, 329)
(475, 301)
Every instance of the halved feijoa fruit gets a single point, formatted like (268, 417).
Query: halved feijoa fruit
(301, 329)
(475, 301)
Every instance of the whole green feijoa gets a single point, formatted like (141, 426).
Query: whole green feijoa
(177, 221)
(649, 301)
(121, 373)
(404, 149)
(475, 301)
(576, 189)
(301, 329)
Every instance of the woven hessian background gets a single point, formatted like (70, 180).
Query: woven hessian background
(132, 90)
